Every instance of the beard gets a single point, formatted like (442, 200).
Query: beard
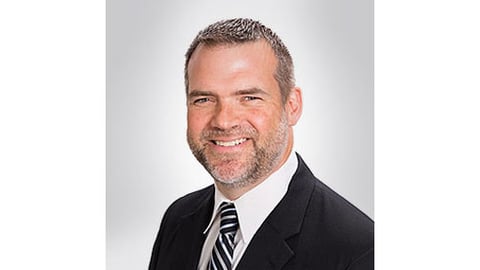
(235, 170)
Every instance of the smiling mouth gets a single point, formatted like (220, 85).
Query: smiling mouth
(230, 143)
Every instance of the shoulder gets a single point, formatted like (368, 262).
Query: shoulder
(179, 218)
(344, 220)
(331, 207)
(180, 210)
(190, 203)
(343, 229)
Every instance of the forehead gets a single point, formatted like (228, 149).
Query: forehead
(229, 62)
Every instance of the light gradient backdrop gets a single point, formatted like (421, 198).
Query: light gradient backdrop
(149, 164)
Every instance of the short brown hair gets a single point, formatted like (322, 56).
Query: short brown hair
(242, 30)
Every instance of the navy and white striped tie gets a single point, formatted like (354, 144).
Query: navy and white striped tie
(222, 253)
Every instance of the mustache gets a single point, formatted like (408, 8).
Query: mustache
(210, 134)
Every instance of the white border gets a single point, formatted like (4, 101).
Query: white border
(52, 138)
(427, 135)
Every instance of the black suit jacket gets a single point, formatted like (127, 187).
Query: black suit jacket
(311, 228)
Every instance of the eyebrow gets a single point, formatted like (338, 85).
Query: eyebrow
(198, 93)
(248, 91)
(251, 91)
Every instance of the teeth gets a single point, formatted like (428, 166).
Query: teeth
(230, 143)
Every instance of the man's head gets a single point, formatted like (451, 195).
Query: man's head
(242, 30)
(239, 120)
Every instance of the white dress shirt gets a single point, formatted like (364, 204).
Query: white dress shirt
(252, 208)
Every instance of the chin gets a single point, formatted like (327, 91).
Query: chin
(231, 177)
(234, 183)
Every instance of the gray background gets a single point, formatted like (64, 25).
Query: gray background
(149, 164)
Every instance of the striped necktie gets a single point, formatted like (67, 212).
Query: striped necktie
(222, 253)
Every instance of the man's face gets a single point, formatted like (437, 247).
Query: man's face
(238, 127)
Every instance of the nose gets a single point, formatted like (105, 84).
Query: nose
(226, 116)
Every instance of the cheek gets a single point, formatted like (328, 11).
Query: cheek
(195, 122)
(263, 120)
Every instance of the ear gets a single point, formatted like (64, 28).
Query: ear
(294, 106)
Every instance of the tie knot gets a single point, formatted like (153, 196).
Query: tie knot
(228, 218)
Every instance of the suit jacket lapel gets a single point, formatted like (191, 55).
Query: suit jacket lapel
(192, 238)
(267, 250)
(271, 247)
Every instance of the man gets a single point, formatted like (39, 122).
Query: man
(265, 210)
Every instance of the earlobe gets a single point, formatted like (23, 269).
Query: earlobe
(294, 106)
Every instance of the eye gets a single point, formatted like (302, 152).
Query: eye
(201, 100)
(250, 98)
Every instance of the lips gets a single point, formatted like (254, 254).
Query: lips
(230, 143)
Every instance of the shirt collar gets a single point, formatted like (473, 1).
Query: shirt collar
(254, 206)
